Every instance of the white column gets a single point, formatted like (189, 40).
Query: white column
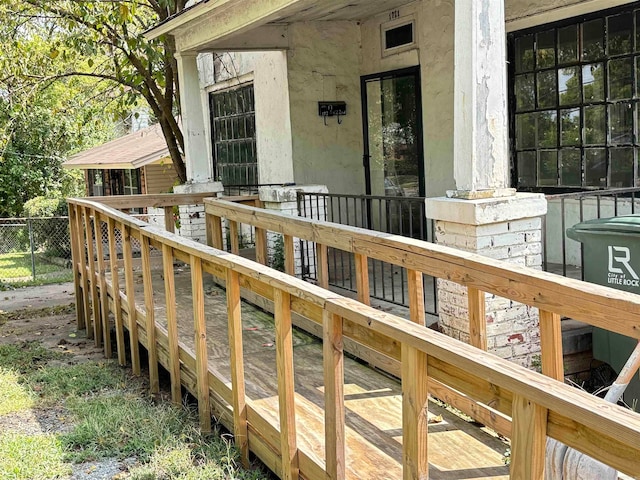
(481, 129)
(199, 168)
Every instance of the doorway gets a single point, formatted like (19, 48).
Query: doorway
(392, 116)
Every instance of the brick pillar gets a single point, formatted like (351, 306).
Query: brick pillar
(507, 229)
(192, 218)
(285, 200)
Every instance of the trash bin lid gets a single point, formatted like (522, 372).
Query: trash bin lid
(624, 224)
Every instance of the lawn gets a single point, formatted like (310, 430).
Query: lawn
(16, 268)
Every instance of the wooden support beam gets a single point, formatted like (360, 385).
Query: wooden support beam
(169, 222)
(322, 265)
(234, 314)
(115, 286)
(132, 314)
(261, 245)
(233, 237)
(172, 323)
(214, 225)
(95, 299)
(75, 260)
(477, 318)
(147, 280)
(362, 278)
(104, 295)
(289, 256)
(286, 392)
(82, 226)
(202, 364)
(551, 345)
(415, 396)
(528, 439)
(334, 432)
(416, 297)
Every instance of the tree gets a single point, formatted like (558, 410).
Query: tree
(106, 43)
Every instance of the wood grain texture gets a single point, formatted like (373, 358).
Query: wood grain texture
(477, 318)
(169, 222)
(261, 245)
(289, 256)
(75, 261)
(551, 345)
(237, 365)
(127, 254)
(233, 237)
(95, 300)
(333, 361)
(115, 293)
(362, 278)
(528, 440)
(415, 396)
(147, 280)
(102, 281)
(322, 265)
(286, 394)
(172, 324)
(216, 232)
(200, 333)
(416, 296)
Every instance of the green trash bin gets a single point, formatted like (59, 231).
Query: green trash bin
(611, 248)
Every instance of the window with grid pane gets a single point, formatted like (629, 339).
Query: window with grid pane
(575, 89)
(233, 136)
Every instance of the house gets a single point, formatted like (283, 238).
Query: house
(480, 105)
(136, 163)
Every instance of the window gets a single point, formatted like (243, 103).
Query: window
(131, 184)
(96, 183)
(397, 36)
(575, 93)
(233, 133)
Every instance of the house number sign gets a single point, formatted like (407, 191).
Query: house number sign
(394, 14)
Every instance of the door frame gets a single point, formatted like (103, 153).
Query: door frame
(366, 157)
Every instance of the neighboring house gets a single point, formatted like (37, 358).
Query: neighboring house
(461, 101)
(136, 163)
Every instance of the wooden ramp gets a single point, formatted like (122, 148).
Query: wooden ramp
(459, 449)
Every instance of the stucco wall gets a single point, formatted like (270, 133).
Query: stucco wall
(324, 65)
(434, 53)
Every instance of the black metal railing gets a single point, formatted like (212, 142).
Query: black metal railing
(563, 256)
(396, 215)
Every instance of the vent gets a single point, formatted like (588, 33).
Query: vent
(399, 36)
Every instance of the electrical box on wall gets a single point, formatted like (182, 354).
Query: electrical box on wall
(332, 109)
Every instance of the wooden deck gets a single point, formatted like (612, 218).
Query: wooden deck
(302, 404)
(460, 449)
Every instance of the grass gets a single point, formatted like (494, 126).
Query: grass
(112, 417)
(16, 269)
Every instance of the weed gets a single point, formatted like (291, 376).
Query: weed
(31, 457)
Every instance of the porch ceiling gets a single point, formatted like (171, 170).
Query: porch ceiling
(258, 24)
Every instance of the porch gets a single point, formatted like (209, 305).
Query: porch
(303, 406)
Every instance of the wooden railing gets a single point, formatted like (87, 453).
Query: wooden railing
(536, 405)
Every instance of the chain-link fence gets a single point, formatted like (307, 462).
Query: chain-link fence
(34, 250)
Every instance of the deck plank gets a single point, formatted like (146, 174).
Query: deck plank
(372, 401)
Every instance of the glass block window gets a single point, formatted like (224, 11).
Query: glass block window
(575, 93)
(233, 130)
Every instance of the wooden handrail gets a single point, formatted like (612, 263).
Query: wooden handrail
(538, 405)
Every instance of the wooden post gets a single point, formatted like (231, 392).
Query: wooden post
(551, 345)
(415, 396)
(147, 280)
(322, 266)
(83, 268)
(172, 323)
(169, 222)
(362, 278)
(477, 318)
(528, 439)
(286, 390)
(95, 300)
(75, 260)
(127, 255)
(289, 256)
(104, 295)
(240, 430)
(233, 237)
(416, 297)
(202, 364)
(115, 284)
(261, 245)
(333, 355)
(215, 225)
